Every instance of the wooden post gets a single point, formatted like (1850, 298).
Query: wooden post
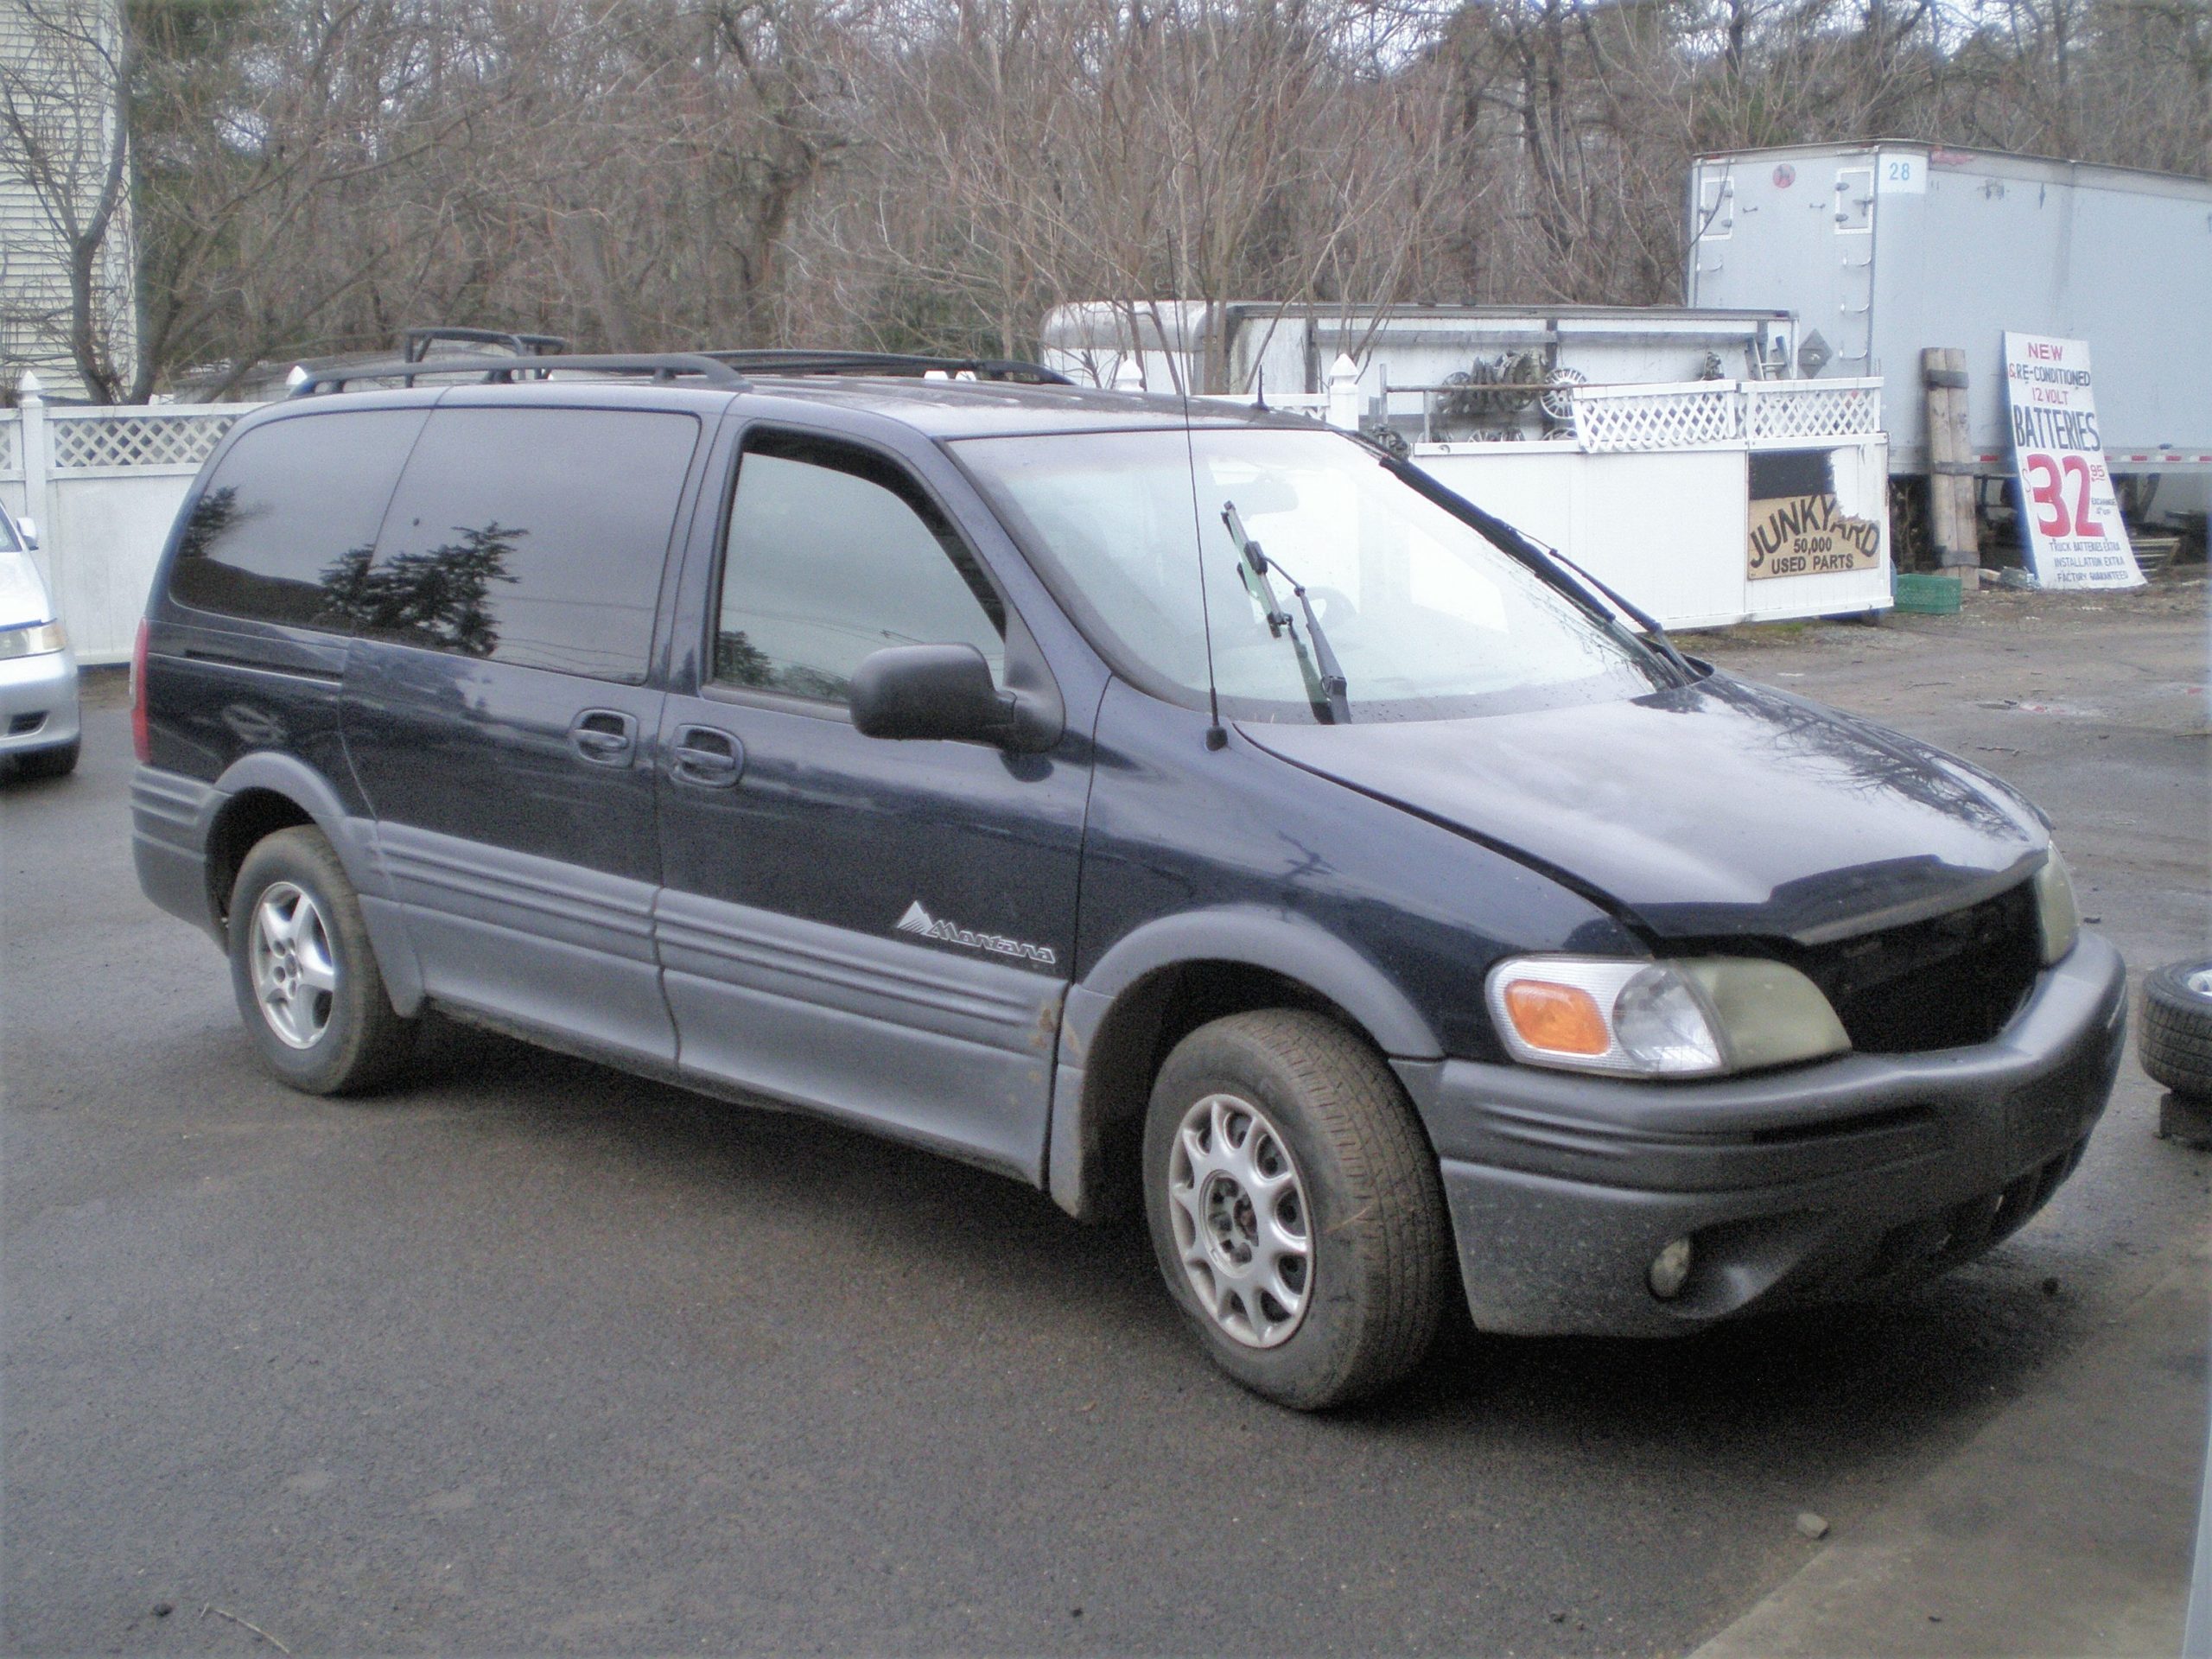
(1950, 465)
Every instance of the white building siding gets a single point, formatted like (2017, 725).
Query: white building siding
(64, 95)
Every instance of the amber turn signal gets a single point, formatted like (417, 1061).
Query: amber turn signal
(1561, 1018)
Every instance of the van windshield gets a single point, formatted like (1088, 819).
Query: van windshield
(1427, 618)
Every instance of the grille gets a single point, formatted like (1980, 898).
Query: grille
(1965, 1230)
(1947, 982)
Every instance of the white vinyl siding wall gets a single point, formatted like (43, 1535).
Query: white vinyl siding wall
(34, 265)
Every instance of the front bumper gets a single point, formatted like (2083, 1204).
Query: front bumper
(1792, 1184)
(38, 702)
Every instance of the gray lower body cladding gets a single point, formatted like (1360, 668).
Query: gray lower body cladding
(1792, 1186)
(169, 815)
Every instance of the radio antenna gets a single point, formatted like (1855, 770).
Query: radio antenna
(1216, 734)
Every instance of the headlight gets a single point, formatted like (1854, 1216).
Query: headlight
(2057, 917)
(1695, 1018)
(32, 641)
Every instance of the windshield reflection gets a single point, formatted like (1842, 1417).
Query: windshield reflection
(1427, 617)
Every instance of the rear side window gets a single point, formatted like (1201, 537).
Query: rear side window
(530, 536)
(289, 510)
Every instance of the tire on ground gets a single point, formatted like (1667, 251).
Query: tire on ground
(365, 1042)
(2175, 1038)
(1380, 1265)
(56, 762)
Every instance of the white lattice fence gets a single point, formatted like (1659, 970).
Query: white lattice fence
(1685, 415)
(104, 486)
(1781, 409)
(1613, 420)
(94, 441)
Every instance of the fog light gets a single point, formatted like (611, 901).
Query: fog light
(1670, 1270)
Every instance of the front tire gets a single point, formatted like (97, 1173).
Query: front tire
(306, 981)
(1295, 1206)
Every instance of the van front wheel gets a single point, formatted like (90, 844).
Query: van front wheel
(1295, 1206)
(306, 979)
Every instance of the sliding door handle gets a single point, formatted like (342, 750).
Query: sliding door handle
(607, 736)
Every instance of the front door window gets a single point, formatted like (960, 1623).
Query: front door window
(832, 555)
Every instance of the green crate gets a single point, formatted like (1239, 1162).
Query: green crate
(1926, 595)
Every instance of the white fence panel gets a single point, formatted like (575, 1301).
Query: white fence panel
(104, 486)
(1666, 530)
(1652, 495)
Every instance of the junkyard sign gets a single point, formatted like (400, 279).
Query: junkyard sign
(1798, 528)
(2075, 535)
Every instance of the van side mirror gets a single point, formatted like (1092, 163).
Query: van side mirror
(28, 529)
(940, 691)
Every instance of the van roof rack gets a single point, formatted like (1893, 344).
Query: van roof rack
(808, 361)
(415, 343)
(664, 367)
(724, 370)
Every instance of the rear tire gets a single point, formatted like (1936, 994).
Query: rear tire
(1296, 1207)
(2176, 1042)
(307, 985)
(57, 762)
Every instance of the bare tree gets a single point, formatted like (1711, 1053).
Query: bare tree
(276, 143)
(310, 175)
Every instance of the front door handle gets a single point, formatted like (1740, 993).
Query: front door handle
(706, 757)
(607, 736)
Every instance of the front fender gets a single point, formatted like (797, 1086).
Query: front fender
(1089, 1100)
(1278, 940)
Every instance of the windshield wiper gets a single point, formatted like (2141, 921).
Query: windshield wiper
(1652, 631)
(1331, 677)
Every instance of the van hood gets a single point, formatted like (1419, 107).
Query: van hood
(1706, 811)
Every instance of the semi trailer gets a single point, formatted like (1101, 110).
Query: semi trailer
(1884, 251)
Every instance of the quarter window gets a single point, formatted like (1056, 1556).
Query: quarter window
(834, 553)
(288, 511)
(535, 537)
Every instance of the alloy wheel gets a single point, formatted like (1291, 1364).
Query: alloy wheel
(1241, 1223)
(295, 972)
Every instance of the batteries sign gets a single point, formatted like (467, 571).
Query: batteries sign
(2068, 507)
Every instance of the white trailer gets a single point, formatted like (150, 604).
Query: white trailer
(1882, 250)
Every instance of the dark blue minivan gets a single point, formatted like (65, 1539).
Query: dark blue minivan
(1176, 808)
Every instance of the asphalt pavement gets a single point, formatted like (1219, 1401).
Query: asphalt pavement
(528, 1356)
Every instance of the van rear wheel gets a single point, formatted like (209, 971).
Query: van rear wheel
(1295, 1206)
(306, 979)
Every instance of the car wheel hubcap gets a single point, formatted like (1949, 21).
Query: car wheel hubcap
(2200, 982)
(1240, 1216)
(295, 973)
